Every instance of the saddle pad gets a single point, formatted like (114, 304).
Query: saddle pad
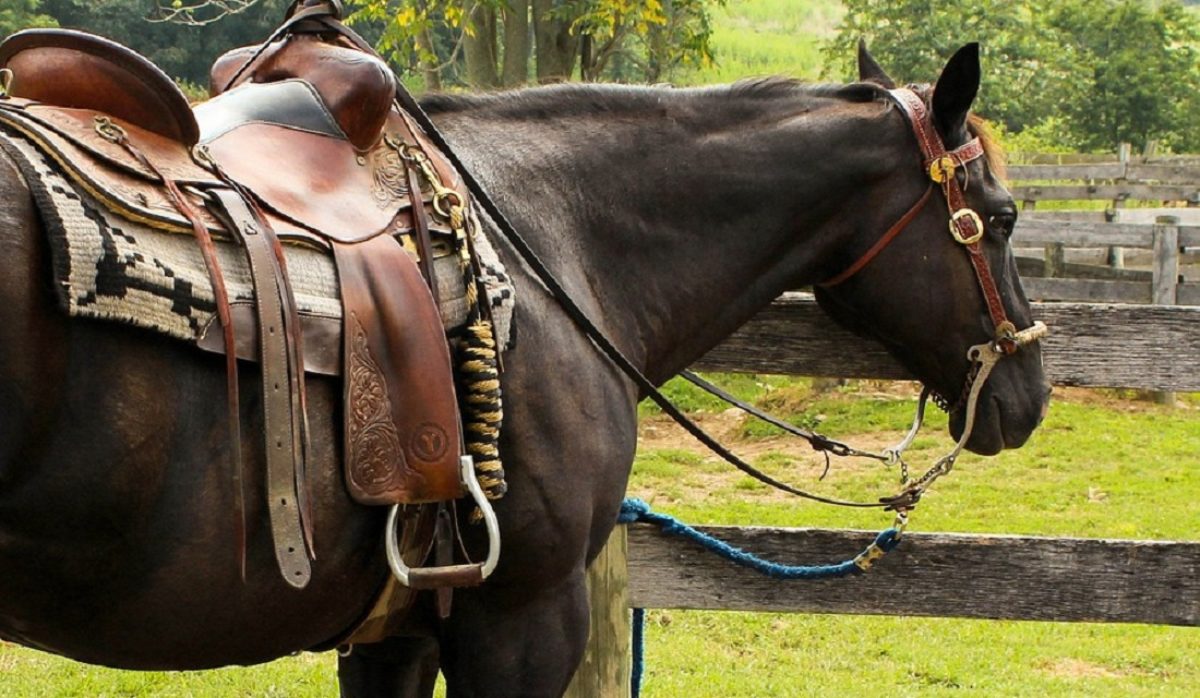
(110, 268)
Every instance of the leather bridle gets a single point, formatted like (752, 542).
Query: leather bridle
(966, 226)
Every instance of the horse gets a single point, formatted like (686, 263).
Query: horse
(670, 216)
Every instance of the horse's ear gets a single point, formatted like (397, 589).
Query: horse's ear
(956, 89)
(869, 70)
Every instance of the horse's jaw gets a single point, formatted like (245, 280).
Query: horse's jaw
(1010, 407)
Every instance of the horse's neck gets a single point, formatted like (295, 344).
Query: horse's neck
(672, 220)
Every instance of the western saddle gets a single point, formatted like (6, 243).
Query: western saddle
(302, 142)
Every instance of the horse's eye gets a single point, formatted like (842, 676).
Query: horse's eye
(1002, 223)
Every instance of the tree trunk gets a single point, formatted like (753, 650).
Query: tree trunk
(516, 43)
(479, 48)
(586, 59)
(656, 49)
(556, 47)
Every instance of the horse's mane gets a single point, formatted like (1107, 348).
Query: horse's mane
(575, 99)
(992, 150)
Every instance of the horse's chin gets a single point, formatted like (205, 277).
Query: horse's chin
(997, 426)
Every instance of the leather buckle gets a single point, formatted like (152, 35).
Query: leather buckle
(974, 218)
(941, 169)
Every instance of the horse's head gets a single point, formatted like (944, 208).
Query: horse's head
(931, 279)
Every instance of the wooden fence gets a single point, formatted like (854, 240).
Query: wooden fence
(930, 574)
(1169, 235)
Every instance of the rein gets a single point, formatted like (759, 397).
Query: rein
(324, 17)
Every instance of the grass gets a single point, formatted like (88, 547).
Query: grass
(754, 38)
(1101, 466)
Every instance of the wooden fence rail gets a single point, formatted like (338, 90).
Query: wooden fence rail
(930, 574)
(1166, 241)
(1119, 180)
(1090, 344)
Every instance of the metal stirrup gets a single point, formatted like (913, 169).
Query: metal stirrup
(450, 575)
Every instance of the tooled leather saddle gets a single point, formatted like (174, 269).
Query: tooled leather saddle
(303, 142)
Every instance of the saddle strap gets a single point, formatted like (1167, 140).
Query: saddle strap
(420, 221)
(284, 454)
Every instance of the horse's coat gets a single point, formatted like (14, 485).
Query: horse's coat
(671, 216)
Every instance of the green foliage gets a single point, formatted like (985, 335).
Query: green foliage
(1138, 64)
(185, 52)
(1111, 70)
(623, 40)
(22, 14)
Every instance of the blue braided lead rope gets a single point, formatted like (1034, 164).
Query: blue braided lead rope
(635, 510)
(639, 652)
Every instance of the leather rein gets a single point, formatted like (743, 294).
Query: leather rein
(902, 502)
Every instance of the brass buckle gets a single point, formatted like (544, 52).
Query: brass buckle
(966, 213)
(941, 169)
(6, 81)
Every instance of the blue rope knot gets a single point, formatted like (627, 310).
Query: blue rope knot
(635, 510)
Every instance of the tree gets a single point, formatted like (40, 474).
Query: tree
(499, 41)
(1107, 70)
(1140, 69)
(183, 51)
(16, 15)
(1025, 68)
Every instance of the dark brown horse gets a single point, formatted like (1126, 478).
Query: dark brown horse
(671, 216)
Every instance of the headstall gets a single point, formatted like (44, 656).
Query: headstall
(967, 229)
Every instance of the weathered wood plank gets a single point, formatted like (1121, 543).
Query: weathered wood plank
(1185, 172)
(1099, 345)
(606, 666)
(1076, 234)
(1035, 268)
(1166, 261)
(1087, 290)
(1094, 234)
(1187, 294)
(1147, 216)
(1062, 158)
(1109, 192)
(930, 574)
(1086, 171)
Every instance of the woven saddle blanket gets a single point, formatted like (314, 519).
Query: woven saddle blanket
(111, 268)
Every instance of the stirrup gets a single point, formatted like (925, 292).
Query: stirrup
(449, 575)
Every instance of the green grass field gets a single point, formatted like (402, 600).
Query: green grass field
(755, 38)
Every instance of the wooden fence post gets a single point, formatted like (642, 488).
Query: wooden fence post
(1054, 261)
(1116, 255)
(1165, 275)
(607, 666)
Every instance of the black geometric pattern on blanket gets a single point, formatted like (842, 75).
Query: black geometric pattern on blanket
(108, 267)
